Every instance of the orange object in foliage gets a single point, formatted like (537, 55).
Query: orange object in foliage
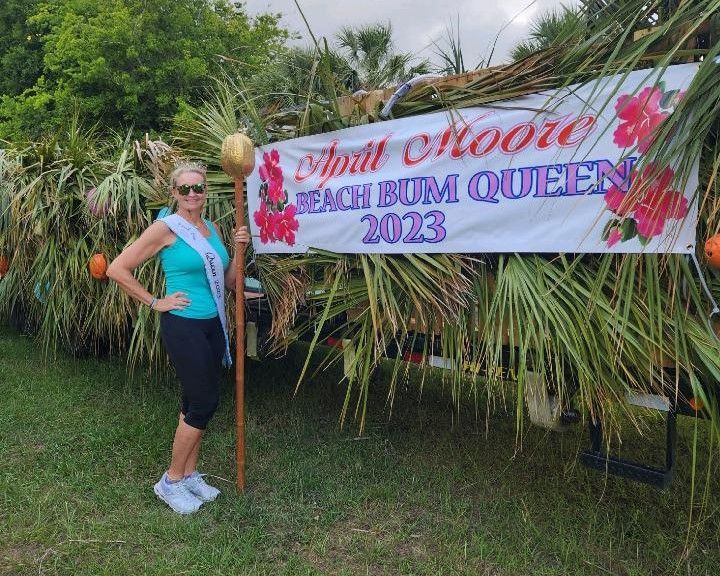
(696, 404)
(712, 251)
(4, 265)
(98, 267)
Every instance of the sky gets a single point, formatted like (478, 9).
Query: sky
(417, 23)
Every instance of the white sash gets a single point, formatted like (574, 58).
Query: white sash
(216, 278)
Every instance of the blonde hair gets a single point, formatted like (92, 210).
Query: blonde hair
(185, 167)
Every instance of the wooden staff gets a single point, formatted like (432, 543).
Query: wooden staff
(240, 338)
(238, 160)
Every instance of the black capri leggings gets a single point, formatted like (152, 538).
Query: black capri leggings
(196, 348)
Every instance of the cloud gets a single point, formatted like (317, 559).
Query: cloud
(485, 27)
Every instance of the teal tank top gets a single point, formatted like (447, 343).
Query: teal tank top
(185, 272)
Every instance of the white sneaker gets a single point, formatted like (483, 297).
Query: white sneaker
(176, 495)
(199, 488)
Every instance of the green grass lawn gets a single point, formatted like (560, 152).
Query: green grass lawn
(427, 491)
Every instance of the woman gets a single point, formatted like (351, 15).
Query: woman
(192, 322)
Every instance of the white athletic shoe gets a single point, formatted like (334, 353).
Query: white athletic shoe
(199, 488)
(176, 495)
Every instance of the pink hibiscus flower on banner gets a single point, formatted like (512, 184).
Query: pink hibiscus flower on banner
(275, 217)
(618, 201)
(271, 173)
(286, 224)
(266, 222)
(270, 169)
(275, 191)
(645, 208)
(641, 115)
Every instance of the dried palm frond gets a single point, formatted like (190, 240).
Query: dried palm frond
(64, 199)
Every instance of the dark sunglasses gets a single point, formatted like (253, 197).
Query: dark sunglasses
(185, 189)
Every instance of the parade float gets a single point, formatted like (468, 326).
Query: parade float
(537, 230)
(547, 227)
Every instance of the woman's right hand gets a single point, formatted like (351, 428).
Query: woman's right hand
(176, 301)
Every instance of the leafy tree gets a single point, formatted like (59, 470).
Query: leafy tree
(363, 58)
(20, 54)
(125, 63)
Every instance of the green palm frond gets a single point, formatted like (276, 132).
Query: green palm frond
(450, 53)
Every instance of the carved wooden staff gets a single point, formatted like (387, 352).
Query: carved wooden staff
(238, 160)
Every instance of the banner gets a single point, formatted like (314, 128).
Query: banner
(550, 172)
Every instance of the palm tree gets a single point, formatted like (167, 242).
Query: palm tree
(302, 71)
(370, 52)
(551, 28)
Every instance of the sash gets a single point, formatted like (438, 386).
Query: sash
(216, 278)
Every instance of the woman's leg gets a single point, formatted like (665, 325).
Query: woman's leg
(195, 348)
(191, 462)
(190, 353)
(186, 447)
(216, 343)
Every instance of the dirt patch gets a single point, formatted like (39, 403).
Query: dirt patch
(20, 556)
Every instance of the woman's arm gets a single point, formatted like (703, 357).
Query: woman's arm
(243, 236)
(150, 242)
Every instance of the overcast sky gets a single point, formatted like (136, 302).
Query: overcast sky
(417, 23)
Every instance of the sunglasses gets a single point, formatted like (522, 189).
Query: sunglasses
(185, 189)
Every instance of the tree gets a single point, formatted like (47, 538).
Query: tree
(363, 58)
(551, 28)
(370, 52)
(132, 63)
(20, 54)
(299, 71)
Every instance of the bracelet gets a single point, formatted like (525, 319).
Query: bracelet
(152, 303)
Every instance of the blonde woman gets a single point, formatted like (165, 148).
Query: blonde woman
(197, 271)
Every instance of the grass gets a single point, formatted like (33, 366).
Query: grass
(427, 491)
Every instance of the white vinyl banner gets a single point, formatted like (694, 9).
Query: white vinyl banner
(550, 172)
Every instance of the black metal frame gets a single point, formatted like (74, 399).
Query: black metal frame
(599, 459)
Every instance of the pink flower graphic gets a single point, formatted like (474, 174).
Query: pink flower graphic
(271, 173)
(646, 207)
(275, 191)
(270, 169)
(275, 218)
(656, 207)
(641, 115)
(266, 222)
(286, 224)
(617, 201)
